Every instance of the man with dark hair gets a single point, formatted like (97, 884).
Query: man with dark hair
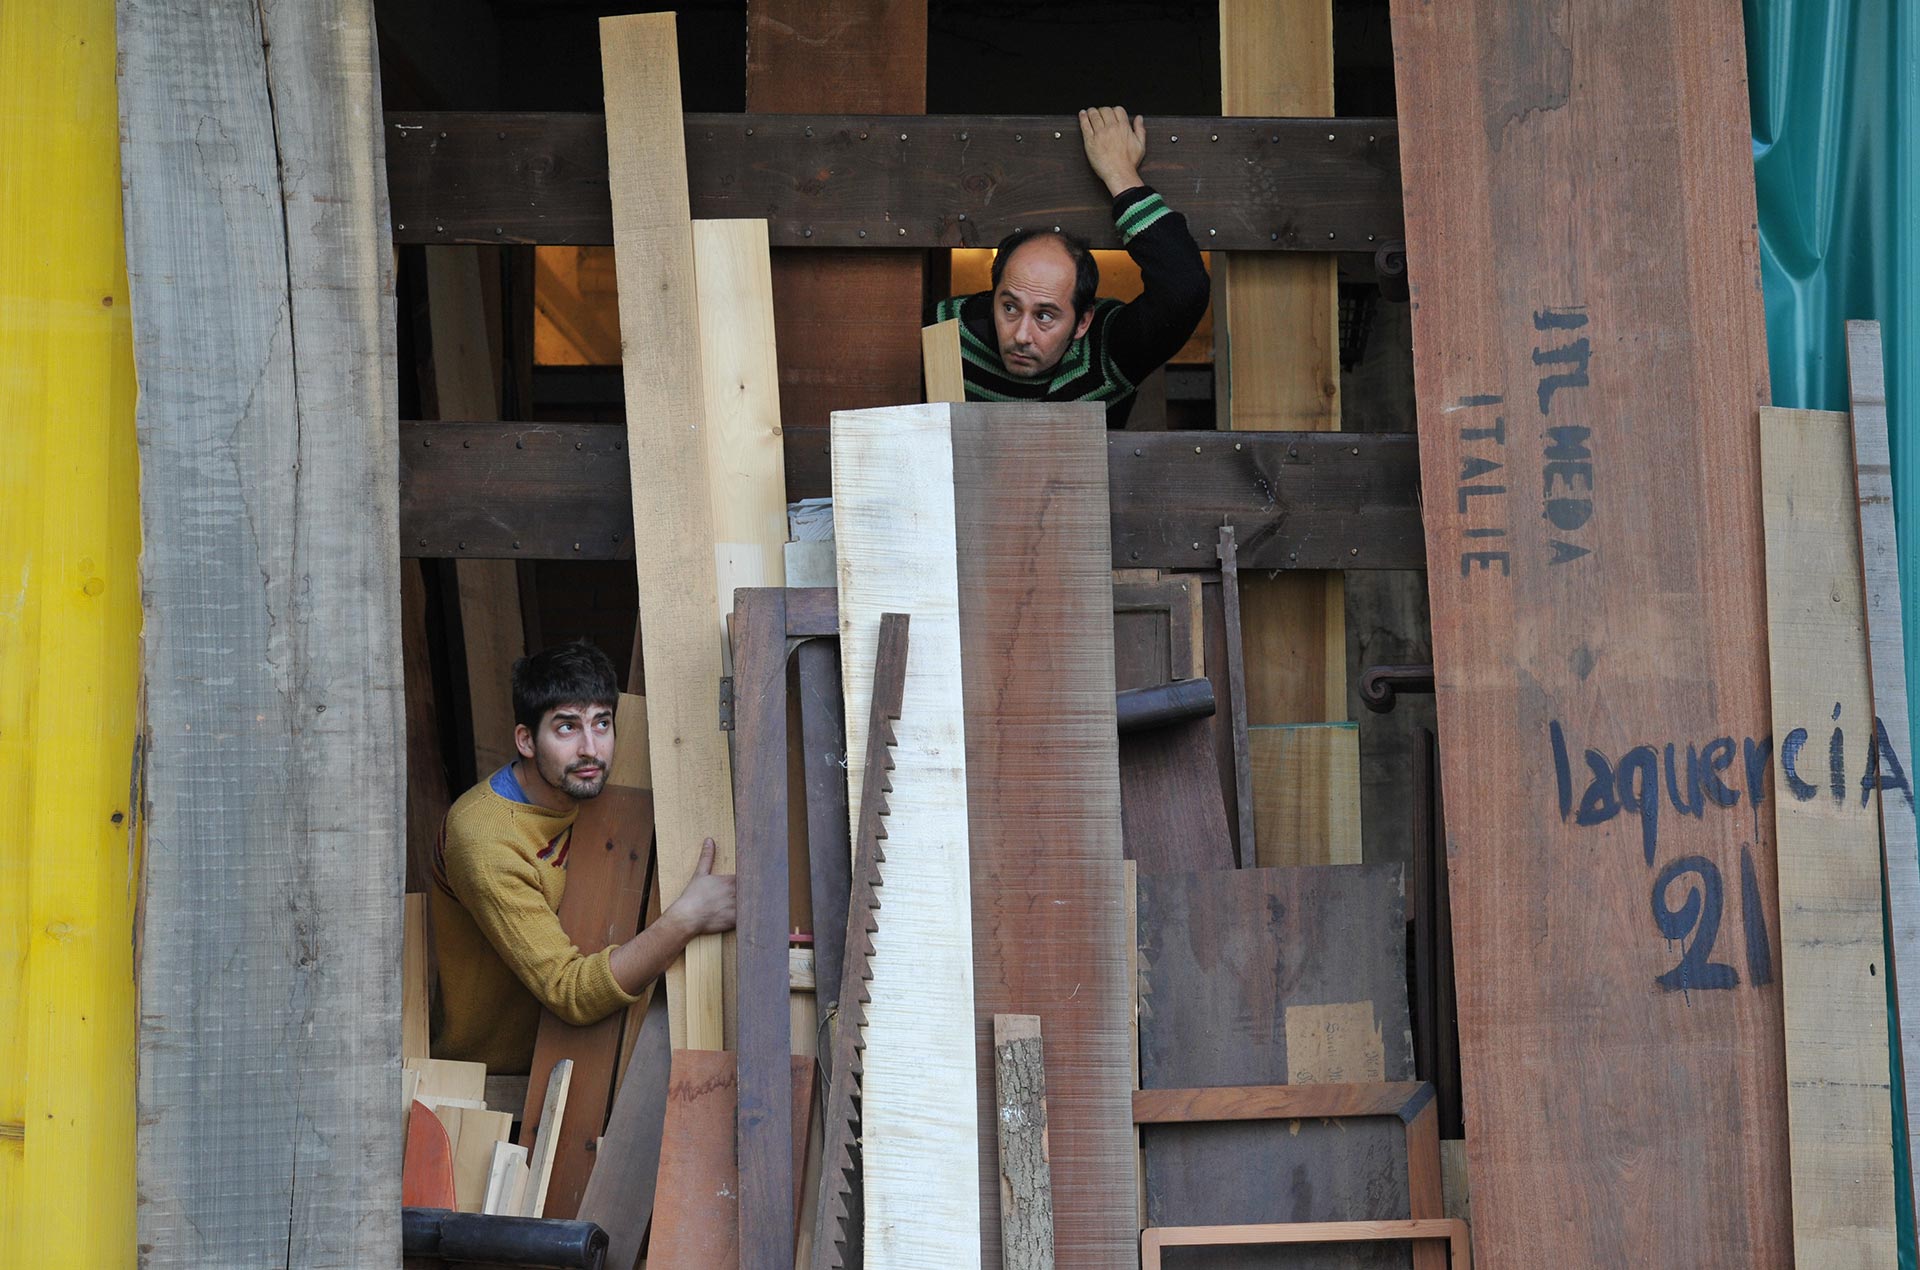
(1040, 335)
(500, 869)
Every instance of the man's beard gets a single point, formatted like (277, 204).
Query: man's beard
(572, 786)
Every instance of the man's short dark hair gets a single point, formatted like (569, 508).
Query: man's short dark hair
(1086, 274)
(562, 675)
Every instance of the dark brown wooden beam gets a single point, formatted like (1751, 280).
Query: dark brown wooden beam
(900, 181)
(1297, 500)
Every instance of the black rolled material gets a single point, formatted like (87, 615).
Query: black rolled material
(539, 1243)
(1137, 709)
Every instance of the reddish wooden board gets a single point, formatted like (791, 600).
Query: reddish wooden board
(1590, 355)
(846, 323)
(426, 1179)
(606, 892)
(1043, 801)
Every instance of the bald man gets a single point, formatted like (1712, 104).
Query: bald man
(1041, 335)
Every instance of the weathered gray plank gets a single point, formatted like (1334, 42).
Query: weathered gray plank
(261, 278)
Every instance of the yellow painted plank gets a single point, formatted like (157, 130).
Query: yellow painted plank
(1832, 954)
(672, 509)
(1306, 793)
(69, 647)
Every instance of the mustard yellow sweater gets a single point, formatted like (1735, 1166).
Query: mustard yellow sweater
(500, 869)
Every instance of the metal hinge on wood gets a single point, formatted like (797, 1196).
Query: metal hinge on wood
(726, 703)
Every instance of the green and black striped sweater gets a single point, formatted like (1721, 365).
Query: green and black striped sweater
(1126, 342)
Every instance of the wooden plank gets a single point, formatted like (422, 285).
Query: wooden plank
(1154, 1239)
(1277, 1102)
(1299, 500)
(746, 467)
(427, 797)
(846, 319)
(764, 1116)
(1560, 182)
(427, 1170)
(414, 982)
(1172, 818)
(450, 1078)
(1026, 1179)
(261, 282)
(1036, 595)
(620, 1190)
(1306, 793)
(895, 541)
(956, 181)
(606, 891)
(465, 387)
(473, 1133)
(1831, 949)
(1233, 668)
(546, 1142)
(696, 1221)
(1887, 657)
(823, 741)
(506, 1177)
(1243, 973)
(940, 357)
(1174, 601)
(672, 509)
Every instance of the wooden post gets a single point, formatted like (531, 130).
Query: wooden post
(1026, 1179)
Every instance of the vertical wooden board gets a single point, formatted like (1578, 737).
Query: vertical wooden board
(764, 1115)
(1306, 793)
(1242, 973)
(672, 509)
(620, 1190)
(1586, 276)
(746, 467)
(696, 1222)
(940, 355)
(473, 1134)
(464, 382)
(894, 536)
(427, 796)
(414, 983)
(1172, 816)
(270, 936)
(1887, 661)
(1036, 599)
(1293, 632)
(1831, 944)
(847, 319)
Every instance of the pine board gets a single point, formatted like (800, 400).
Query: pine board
(847, 320)
(259, 258)
(672, 509)
(1306, 793)
(1832, 961)
(894, 536)
(1245, 978)
(1580, 232)
(1049, 937)
(940, 354)
(1887, 657)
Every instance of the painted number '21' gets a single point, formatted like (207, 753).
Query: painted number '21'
(1694, 923)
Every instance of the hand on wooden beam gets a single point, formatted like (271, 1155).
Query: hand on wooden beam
(1115, 146)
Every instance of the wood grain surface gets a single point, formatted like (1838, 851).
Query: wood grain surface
(672, 511)
(893, 520)
(620, 1190)
(848, 321)
(1887, 657)
(1243, 972)
(259, 257)
(1832, 954)
(1589, 357)
(1043, 797)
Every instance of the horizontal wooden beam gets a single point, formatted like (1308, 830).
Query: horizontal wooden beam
(1297, 500)
(900, 181)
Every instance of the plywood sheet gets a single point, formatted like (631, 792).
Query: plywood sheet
(893, 517)
(1306, 793)
(1832, 958)
(1049, 936)
(1589, 357)
(672, 509)
(1271, 976)
(259, 256)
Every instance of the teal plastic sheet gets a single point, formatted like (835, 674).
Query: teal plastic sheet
(1835, 89)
